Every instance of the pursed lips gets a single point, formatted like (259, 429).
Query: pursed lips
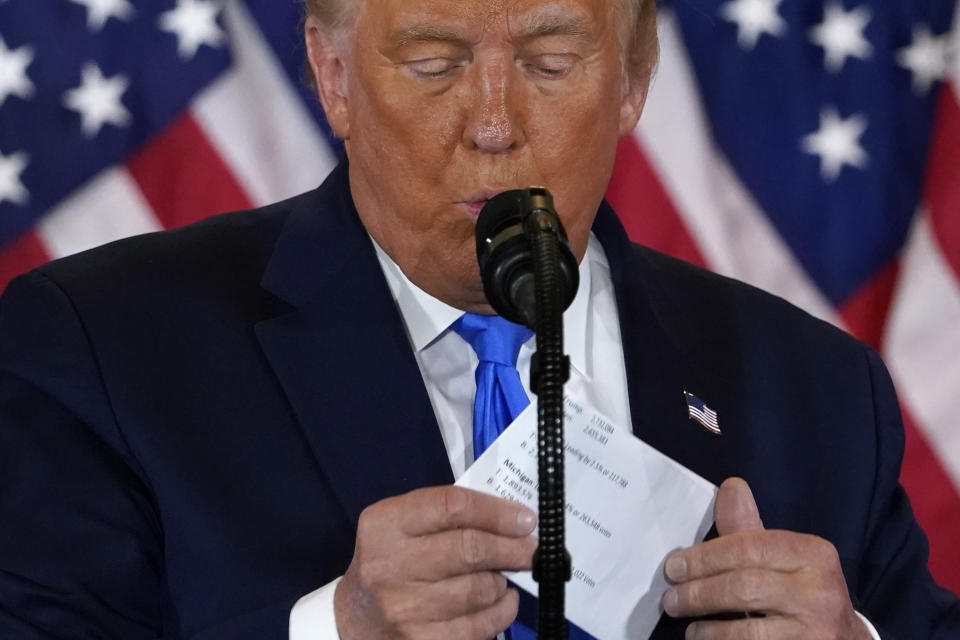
(475, 202)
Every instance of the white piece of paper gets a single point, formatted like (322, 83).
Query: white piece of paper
(628, 506)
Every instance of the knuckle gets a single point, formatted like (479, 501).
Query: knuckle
(370, 573)
(487, 587)
(764, 549)
(391, 614)
(364, 524)
(370, 522)
(454, 502)
(690, 595)
(472, 548)
(744, 549)
(380, 602)
(749, 585)
(825, 553)
(471, 593)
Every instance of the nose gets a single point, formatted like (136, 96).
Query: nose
(493, 124)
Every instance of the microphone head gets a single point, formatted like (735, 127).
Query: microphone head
(505, 255)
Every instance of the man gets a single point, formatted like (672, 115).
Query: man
(202, 428)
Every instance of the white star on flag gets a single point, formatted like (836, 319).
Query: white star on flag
(13, 72)
(97, 100)
(194, 22)
(99, 11)
(754, 18)
(11, 188)
(927, 58)
(841, 35)
(837, 143)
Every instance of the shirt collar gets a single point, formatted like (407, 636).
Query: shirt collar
(426, 318)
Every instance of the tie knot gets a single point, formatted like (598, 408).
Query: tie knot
(492, 338)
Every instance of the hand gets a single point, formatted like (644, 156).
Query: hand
(426, 565)
(794, 580)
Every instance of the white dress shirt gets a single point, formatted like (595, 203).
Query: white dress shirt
(447, 363)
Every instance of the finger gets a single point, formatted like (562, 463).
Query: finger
(774, 550)
(442, 508)
(735, 509)
(460, 596)
(748, 629)
(479, 625)
(450, 553)
(753, 590)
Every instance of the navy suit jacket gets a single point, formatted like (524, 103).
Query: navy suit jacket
(192, 421)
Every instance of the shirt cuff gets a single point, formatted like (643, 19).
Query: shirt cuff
(312, 616)
(873, 632)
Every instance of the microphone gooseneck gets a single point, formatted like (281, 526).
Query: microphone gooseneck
(530, 277)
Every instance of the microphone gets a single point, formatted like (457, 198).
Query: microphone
(506, 227)
(530, 277)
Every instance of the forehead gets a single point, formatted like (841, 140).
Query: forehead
(573, 17)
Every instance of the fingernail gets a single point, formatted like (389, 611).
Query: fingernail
(670, 601)
(676, 568)
(526, 519)
(691, 632)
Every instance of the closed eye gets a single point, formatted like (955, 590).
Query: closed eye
(432, 68)
(550, 66)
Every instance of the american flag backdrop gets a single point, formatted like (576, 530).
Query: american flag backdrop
(810, 147)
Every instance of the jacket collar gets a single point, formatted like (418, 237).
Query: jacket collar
(667, 351)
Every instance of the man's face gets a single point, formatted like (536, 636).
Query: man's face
(444, 103)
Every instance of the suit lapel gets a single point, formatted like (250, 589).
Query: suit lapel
(664, 355)
(343, 358)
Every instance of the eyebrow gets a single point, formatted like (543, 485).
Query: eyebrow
(423, 33)
(553, 25)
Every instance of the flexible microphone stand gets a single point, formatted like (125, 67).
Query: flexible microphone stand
(530, 277)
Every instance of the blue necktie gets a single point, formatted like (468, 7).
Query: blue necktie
(500, 395)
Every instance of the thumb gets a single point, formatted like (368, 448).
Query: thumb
(735, 509)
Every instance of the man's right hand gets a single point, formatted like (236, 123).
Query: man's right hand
(427, 565)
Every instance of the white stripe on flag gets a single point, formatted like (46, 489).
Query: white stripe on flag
(923, 343)
(106, 208)
(736, 238)
(253, 116)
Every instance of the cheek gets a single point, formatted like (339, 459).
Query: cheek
(407, 124)
(575, 143)
(579, 123)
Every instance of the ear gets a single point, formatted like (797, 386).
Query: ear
(635, 89)
(327, 54)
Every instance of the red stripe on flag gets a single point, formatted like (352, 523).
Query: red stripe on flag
(865, 313)
(183, 177)
(645, 209)
(942, 188)
(21, 255)
(935, 502)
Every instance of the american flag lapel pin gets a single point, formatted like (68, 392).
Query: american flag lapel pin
(698, 410)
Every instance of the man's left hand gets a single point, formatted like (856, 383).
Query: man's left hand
(789, 584)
